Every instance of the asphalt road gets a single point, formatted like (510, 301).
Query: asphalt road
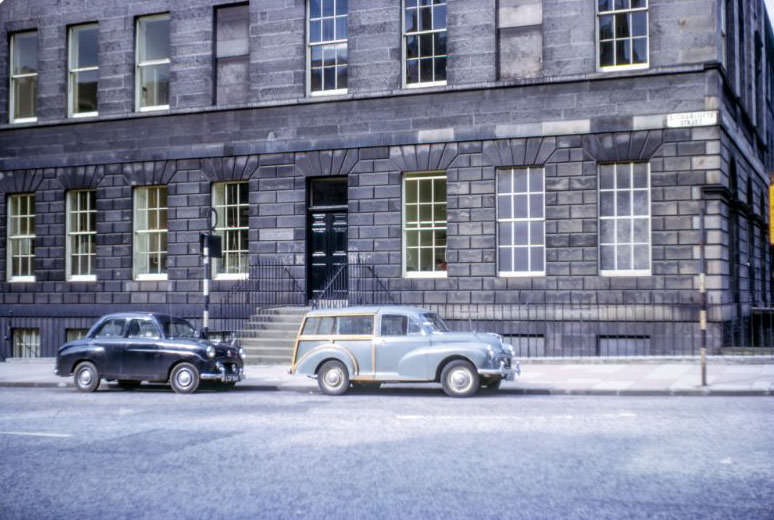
(403, 453)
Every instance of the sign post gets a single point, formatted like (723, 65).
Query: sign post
(205, 240)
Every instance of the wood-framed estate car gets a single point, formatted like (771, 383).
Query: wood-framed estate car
(365, 346)
(133, 347)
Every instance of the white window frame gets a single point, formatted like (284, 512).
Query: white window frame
(633, 66)
(73, 71)
(405, 229)
(12, 77)
(138, 64)
(404, 49)
(74, 235)
(528, 219)
(616, 218)
(323, 43)
(148, 276)
(221, 230)
(26, 340)
(30, 197)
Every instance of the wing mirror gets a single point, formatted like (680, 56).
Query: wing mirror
(427, 328)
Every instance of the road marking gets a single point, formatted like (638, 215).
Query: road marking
(38, 434)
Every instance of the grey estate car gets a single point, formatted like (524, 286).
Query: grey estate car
(369, 345)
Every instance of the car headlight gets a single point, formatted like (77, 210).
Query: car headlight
(490, 351)
(242, 352)
(210, 351)
(509, 349)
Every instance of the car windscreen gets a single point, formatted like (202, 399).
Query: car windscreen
(111, 328)
(177, 328)
(436, 321)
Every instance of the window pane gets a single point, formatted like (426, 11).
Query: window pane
(25, 53)
(536, 233)
(607, 204)
(640, 202)
(536, 259)
(607, 231)
(519, 180)
(521, 230)
(641, 230)
(624, 257)
(394, 326)
(85, 91)
(24, 97)
(623, 204)
(606, 27)
(641, 257)
(154, 85)
(505, 230)
(606, 54)
(623, 52)
(357, 325)
(640, 50)
(154, 43)
(520, 206)
(505, 259)
(623, 177)
(622, 25)
(439, 17)
(84, 52)
(640, 175)
(607, 258)
(606, 177)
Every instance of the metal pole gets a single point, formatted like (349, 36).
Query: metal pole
(703, 292)
(206, 286)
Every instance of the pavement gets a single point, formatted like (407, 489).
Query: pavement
(726, 376)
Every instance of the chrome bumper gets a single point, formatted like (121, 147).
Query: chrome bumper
(506, 373)
(222, 376)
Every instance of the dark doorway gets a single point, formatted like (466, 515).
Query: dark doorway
(327, 237)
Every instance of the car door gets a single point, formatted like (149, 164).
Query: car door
(108, 344)
(398, 348)
(142, 349)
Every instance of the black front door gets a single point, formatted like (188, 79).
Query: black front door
(327, 239)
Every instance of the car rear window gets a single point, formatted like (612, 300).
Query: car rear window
(319, 325)
(356, 325)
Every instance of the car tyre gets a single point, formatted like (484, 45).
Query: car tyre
(184, 378)
(491, 385)
(459, 379)
(333, 378)
(128, 384)
(86, 377)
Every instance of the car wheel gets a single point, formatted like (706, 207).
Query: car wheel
(86, 377)
(333, 378)
(366, 387)
(459, 379)
(184, 378)
(128, 384)
(491, 385)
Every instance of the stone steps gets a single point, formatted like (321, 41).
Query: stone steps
(269, 337)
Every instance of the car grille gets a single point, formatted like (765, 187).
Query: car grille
(505, 360)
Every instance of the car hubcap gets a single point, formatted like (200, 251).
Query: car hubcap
(460, 380)
(184, 378)
(334, 377)
(84, 377)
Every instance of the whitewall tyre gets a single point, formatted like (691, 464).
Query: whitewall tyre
(86, 377)
(184, 378)
(459, 379)
(333, 378)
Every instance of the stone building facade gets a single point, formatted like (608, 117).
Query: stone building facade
(676, 122)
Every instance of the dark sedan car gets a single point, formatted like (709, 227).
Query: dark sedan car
(135, 347)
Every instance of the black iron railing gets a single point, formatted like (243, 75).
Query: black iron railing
(270, 282)
(356, 283)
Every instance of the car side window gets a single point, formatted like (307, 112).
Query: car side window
(323, 325)
(143, 329)
(393, 325)
(356, 325)
(113, 328)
